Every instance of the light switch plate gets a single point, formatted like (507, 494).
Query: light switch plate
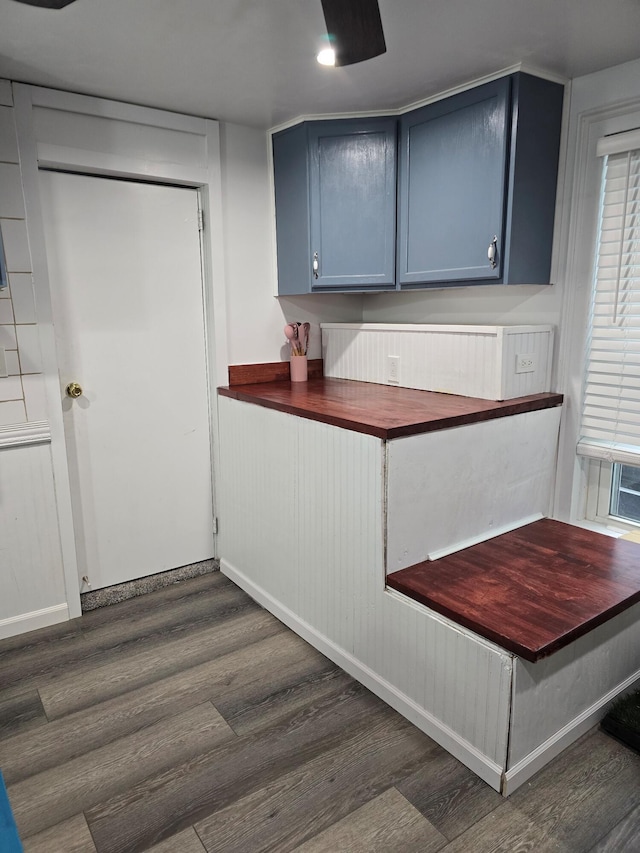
(3, 363)
(393, 369)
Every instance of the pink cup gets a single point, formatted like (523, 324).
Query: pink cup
(298, 368)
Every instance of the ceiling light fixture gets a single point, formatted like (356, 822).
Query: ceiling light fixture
(355, 30)
(327, 56)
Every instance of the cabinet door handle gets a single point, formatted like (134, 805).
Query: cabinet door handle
(315, 265)
(492, 252)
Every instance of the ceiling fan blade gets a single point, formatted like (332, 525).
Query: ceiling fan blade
(355, 29)
(47, 4)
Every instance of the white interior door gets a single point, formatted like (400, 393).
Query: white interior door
(126, 282)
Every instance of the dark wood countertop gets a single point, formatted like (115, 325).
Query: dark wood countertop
(533, 590)
(381, 410)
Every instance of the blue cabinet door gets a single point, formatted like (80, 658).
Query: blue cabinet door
(452, 181)
(335, 194)
(352, 192)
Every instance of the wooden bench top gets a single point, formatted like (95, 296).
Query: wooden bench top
(533, 590)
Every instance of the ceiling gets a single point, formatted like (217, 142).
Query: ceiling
(253, 61)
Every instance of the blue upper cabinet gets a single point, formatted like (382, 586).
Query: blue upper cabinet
(477, 185)
(452, 187)
(475, 198)
(335, 188)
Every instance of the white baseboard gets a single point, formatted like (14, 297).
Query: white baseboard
(31, 621)
(553, 746)
(461, 749)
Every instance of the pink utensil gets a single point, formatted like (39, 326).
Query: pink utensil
(291, 332)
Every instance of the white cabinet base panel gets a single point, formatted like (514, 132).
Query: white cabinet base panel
(488, 770)
(302, 531)
(490, 362)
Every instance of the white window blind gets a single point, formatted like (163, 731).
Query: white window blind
(610, 427)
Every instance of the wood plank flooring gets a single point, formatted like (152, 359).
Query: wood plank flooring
(190, 720)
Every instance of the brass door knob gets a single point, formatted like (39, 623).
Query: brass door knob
(73, 389)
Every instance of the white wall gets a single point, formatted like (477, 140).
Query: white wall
(37, 552)
(255, 317)
(21, 392)
(32, 589)
(484, 304)
(32, 583)
(601, 103)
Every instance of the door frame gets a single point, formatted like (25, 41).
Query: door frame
(94, 136)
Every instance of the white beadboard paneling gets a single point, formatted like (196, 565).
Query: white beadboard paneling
(473, 361)
(258, 482)
(521, 384)
(302, 524)
(29, 349)
(6, 312)
(8, 140)
(24, 308)
(475, 759)
(559, 688)
(16, 245)
(11, 199)
(31, 578)
(10, 388)
(35, 397)
(443, 487)
(13, 412)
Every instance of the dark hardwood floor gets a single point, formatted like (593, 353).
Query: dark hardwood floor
(190, 720)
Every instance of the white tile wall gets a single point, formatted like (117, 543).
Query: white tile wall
(16, 245)
(12, 361)
(22, 391)
(8, 141)
(6, 312)
(34, 397)
(11, 198)
(24, 309)
(12, 413)
(8, 338)
(10, 388)
(29, 349)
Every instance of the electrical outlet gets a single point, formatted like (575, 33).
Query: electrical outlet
(393, 369)
(525, 363)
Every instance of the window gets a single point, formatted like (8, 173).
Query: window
(610, 425)
(625, 493)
